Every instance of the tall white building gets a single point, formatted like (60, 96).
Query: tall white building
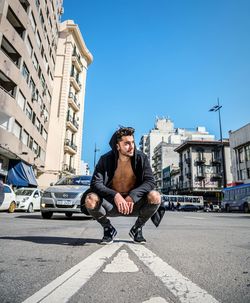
(63, 154)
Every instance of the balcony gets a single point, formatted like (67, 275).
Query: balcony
(188, 175)
(200, 176)
(72, 124)
(200, 161)
(74, 79)
(76, 60)
(216, 161)
(216, 177)
(70, 147)
(73, 101)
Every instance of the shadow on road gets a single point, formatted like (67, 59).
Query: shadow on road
(53, 240)
(38, 216)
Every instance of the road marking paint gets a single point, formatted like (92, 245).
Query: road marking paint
(65, 286)
(121, 263)
(156, 300)
(184, 289)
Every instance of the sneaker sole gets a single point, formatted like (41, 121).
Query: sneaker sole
(131, 236)
(110, 242)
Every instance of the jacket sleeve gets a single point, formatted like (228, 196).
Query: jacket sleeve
(148, 182)
(98, 182)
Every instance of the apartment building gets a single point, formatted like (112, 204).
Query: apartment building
(164, 131)
(240, 154)
(63, 155)
(205, 167)
(28, 44)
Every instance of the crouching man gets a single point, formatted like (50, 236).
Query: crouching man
(122, 185)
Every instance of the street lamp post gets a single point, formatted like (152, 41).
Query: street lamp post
(95, 151)
(217, 108)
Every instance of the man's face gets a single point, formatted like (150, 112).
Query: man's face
(126, 146)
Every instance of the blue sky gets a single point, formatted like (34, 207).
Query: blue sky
(163, 58)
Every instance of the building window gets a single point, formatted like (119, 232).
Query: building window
(29, 47)
(17, 129)
(25, 137)
(21, 100)
(25, 73)
(247, 151)
(35, 147)
(10, 51)
(241, 155)
(28, 111)
(35, 62)
(7, 84)
(45, 135)
(37, 124)
(32, 22)
(32, 86)
(248, 173)
(38, 40)
(15, 22)
(31, 143)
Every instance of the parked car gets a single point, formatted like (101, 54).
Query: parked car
(188, 207)
(28, 199)
(9, 201)
(213, 208)
(64, 196)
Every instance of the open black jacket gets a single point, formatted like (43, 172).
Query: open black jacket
(105, 170)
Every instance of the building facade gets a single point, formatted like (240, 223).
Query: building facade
(164, 131)
(66, 123)
(28, 39)
(204, 168)
(240, 154)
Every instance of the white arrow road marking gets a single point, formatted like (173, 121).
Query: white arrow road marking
(65, 286)
(121, 263)
(156, 300)
(184, 289)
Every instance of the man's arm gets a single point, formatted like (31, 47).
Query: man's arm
(97, 182)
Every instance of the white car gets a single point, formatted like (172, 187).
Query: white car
(9, 199)
(28, 199)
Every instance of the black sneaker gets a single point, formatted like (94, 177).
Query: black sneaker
(109, 234)
(136, 234)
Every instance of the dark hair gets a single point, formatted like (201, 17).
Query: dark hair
(124, 131)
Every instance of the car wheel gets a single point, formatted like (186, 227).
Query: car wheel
(30, 208)
(12, 207)
(68, 214)
(47, 214)
(245, 208)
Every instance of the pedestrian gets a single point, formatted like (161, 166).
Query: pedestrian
(1, 190)
(122, 185)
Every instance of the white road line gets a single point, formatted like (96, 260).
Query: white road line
(184, 289)
(155, 300)
(65, 286)
(121, 263)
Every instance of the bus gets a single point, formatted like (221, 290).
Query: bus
(170, 201)
(236, 198)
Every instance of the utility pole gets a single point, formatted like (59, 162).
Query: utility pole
(217, 108)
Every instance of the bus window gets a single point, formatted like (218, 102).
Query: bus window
(188, 199)
(173, 199)
(180, 199)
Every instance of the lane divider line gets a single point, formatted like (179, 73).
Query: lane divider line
(181, 287)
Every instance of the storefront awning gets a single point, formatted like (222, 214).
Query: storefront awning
(21, 174)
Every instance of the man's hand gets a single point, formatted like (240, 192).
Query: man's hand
(130, 204)
(122, 204)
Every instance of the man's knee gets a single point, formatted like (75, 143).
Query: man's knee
(154, 197)
(92, 201)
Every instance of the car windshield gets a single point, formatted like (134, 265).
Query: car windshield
(24, 192)
(74, 180)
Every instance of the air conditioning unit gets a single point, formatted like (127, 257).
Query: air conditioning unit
(42, 112)
(60, 10)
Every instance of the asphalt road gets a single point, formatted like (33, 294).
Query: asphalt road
(188, 251)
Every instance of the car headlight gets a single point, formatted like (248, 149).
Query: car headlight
(47, 194)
